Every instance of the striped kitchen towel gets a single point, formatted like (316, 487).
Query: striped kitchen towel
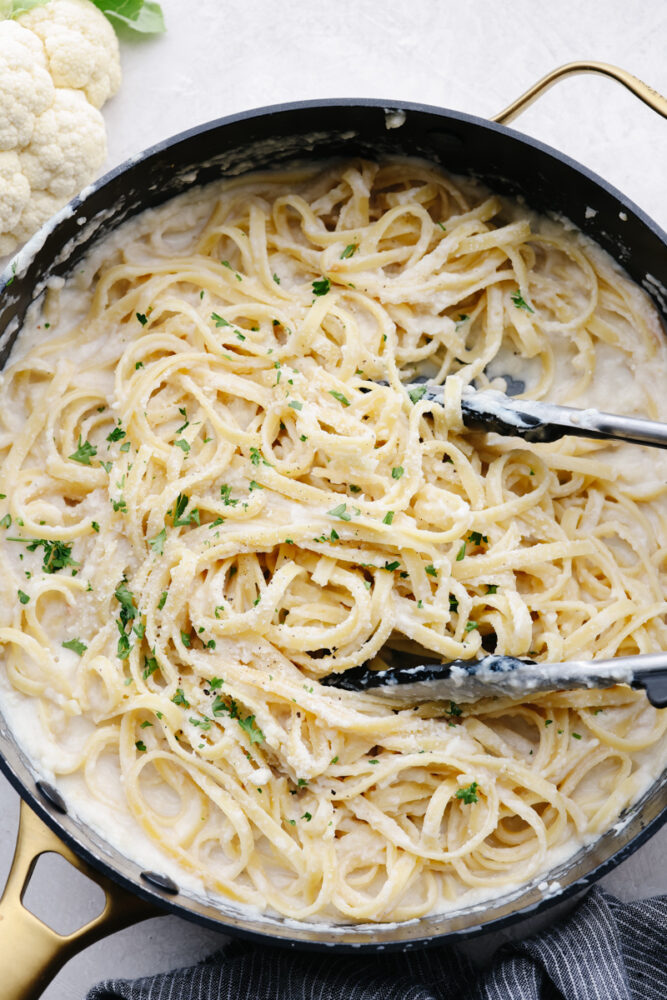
(604, 950)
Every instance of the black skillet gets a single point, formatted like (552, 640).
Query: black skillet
(269, 137)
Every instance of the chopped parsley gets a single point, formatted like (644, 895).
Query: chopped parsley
(321, 286)
(256, 457)
(417, 393)
(220, 320)
(388, 517)
(180, 699)
(576, 736)
(116, 435)
(23, 597)
(142, 319)
(248, 725)
(150, 666)
(397, 472)
(349, 251)
(95, 526)
(183, 445)
(333, 537)
(519, 301)
(226, 496)
(163, 600)
(6, 522)
(140, 745)
(184, 413)
(128, 609)
(201, 723)
(215, 683)
(220, 706)
(468, 794)
(471, 626)
(179, 508)
(84, 452)
(476, 537)
(57, 555)
(185, 639)
(492, 588)
(431, 570)
(253, 732)
(123, 648)
(76, 646)
(340, 397)
(391, 566)
(295, 404)
(276, 278)
(461, 553)
(252, 485)
(157, 542)
(341, 512)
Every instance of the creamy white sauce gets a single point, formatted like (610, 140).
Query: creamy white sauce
(116, 825)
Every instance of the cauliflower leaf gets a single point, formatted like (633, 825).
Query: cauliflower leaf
(142, 16)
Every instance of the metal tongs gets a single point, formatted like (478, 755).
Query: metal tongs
(513, 677)
(509, 676)
(489, 410)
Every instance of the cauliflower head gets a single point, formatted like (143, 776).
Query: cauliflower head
(58, 64)
(26, 86)
(80, 45)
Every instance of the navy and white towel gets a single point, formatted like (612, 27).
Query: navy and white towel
(604, 950)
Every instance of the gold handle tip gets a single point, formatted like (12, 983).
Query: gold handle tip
(647, 94)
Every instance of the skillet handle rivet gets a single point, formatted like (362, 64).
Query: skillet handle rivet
(52, 796)
(160, 882)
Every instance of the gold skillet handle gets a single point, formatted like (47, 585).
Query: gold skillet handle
(641, 90)
(33, 953)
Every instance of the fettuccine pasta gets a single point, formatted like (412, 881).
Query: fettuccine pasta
(217, 490)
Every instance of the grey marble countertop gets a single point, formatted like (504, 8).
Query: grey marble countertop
(217, 59)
